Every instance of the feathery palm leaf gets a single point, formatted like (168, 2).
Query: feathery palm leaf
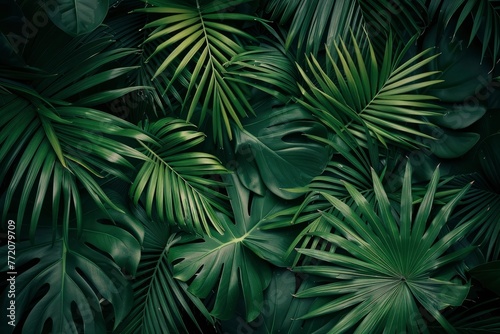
(381, 266)
(363, 93)
(159, 300)
(485, 16)
(195, 35)
(174, 179)
(268, 68)
(52, 141)
(317, 23)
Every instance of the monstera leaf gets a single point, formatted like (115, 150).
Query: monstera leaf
(67, 280)
(238, 261)
(76, 17)
(273, 149)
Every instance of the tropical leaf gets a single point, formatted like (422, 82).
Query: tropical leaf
(382, 266)
(483, 14)
(267, 67)
(280, 309)
(175, 180)
(52, 141)
(489, 275)
(76, 17)
(237, 263)
(482, 203)
(315, 24)
(160, 301)
(196, 33)
(65, 281)
(363, 93)
(276, 141)
(460, 68)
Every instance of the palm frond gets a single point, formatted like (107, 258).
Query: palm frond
(383, 97)
(52, 141)
(388, 264)
(160, 301)
(317, 24)
(197, 36)
(175, 180)
(484, 16)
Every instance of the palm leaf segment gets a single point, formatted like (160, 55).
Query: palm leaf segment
(53, 141)
(364, 93)
(485, 15)
(382, 266)
(161, 303)
(174, 179)
(201, 43)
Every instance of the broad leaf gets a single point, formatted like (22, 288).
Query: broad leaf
(235, 265)
(68, 279)
(280, 309)
(276, 146)
(76, 17)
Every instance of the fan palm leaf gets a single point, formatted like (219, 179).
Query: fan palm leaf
(382, 266)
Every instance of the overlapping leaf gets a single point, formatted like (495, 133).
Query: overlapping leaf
(276, 140)
(175, 180)
(66, 280)
(235, 265)
(383, 97)
(160, 301)
(52, 141)
(315, 24)
(197, 34)
(389, 264)
(485, 17)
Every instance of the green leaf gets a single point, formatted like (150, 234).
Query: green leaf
(200, 42)
(450, 144)
(363, 93)
(276, 142)
(76, 17)
(236, 264)
(79, 273)
(377, 274)
(461, 69)
(155, 289)
(489, 275)
(175, 183)
(458, 116)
